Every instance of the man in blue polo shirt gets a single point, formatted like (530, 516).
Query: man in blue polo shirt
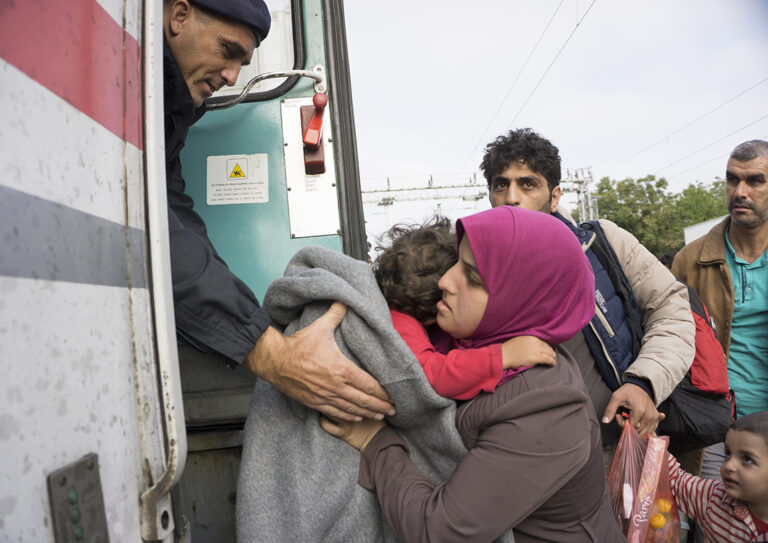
(728, 267)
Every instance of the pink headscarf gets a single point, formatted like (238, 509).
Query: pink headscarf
(539, 281)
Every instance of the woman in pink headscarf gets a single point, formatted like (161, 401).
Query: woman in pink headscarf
(535, 458)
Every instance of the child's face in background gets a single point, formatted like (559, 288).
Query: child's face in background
(464, 295)
(745, 468)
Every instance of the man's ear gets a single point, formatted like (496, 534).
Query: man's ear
(554, 198)
(178, 14)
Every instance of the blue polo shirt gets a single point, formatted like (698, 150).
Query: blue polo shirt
(748, 356)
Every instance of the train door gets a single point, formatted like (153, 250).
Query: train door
(264, 194)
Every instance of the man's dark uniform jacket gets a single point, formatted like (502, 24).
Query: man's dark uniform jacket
(215, 311)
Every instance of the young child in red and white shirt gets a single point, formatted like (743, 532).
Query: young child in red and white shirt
(736, 509)
(407, 271)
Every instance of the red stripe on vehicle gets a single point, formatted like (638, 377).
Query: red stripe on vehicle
(78, 52)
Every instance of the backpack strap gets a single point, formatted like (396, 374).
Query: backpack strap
(610, 262)
(698, 307)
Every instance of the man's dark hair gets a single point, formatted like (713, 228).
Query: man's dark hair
(749, 150)
(408, 269)
(756, 423)
(667, 259)
(522, 145)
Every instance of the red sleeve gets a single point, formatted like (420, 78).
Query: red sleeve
(460, 374)
(692, 494)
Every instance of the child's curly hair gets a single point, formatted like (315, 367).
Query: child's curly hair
(408, 269)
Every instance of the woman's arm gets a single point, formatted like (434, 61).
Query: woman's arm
(527, 450)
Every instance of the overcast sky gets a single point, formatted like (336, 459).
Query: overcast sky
(630, 92)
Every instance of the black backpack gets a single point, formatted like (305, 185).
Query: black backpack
(701, 408)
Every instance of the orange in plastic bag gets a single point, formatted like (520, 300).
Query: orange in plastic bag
(654, 515)
(664, 520)
(641, 497)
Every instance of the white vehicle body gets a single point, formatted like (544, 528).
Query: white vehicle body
(86, 347)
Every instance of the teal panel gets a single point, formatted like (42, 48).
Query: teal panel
(254, 239)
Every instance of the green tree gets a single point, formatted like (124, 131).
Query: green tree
(698, 202)
(647, 209)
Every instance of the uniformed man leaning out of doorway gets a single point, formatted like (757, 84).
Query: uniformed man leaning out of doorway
(205, 44)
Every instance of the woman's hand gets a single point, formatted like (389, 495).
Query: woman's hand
(526, 351)
(357, 434)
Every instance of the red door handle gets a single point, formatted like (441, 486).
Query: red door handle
(313, 134)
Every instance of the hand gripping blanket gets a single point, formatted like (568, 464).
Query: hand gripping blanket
(296, 482)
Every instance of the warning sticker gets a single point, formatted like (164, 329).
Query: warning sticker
(238, 179)
(237, 171)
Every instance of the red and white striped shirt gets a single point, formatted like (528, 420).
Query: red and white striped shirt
(723, 519)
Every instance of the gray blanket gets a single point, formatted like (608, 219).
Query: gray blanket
(298, 483)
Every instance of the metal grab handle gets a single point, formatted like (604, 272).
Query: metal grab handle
(317, 73)
(155, 514)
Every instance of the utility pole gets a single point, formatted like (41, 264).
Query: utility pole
(579, 180)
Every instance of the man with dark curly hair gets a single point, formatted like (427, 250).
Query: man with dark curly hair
(529, 162)
(523, 169)
(407, 271)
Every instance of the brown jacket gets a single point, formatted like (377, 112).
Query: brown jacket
(702, 265)
(534, 466)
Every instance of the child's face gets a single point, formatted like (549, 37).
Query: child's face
(464, 295)
(745, 468)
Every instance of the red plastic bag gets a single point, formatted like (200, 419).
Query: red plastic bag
(641, 497)
(624, 475)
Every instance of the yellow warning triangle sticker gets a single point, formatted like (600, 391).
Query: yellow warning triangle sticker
(236, 172)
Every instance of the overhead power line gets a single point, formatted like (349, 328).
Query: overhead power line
(720, 157)
(711, 144)
(419, 176)
(697, 119)
(551, 64)
(512, 86)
